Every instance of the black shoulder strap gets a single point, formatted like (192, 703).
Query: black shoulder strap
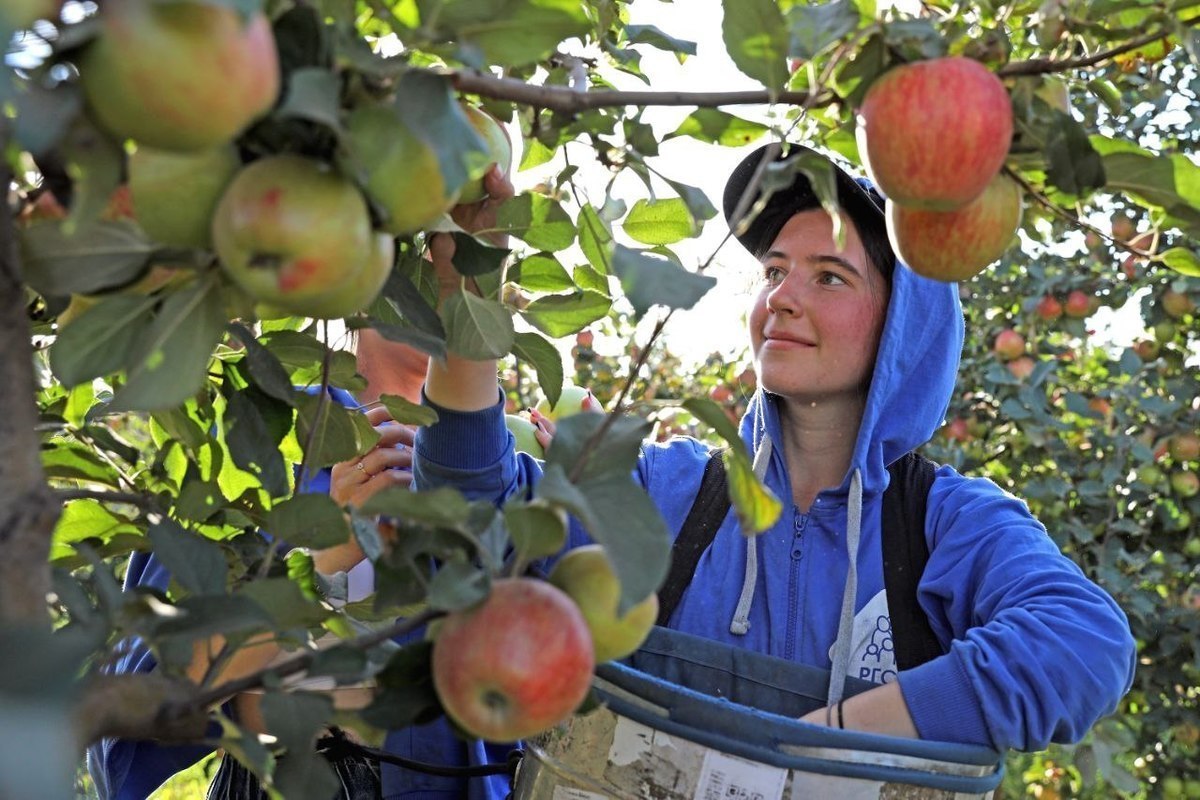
(707, 513)
(905, 553)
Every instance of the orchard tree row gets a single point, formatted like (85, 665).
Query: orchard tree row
(198, 187)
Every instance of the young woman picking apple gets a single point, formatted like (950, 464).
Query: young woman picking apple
(857, 357)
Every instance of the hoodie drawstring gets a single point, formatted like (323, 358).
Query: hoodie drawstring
(841, 647)
(740, 624)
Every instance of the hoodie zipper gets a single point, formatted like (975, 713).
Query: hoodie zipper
(800, 523)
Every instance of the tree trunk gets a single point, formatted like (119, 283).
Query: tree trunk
(28, 511)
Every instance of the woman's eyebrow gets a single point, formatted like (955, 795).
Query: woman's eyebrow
(825, 258)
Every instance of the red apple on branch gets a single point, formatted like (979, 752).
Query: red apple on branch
(932, 134)
(1184, 447)
(514, 665)
(1078, 304)
(1021, 368)
(956, 245)
(1048, 308)
(1008, 345)
(1176, 304)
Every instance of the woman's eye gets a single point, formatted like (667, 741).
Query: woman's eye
(772, 275)
(832, 278)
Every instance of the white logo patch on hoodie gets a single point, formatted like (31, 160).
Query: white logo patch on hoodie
(872, 655)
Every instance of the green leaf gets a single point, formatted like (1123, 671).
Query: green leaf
(541, 272)
(195, 562)
(659, 221)
(36, 731)
(1169, 182)
(473, 256)
(756, 506)
(265, 369)
(209, 615)
(96, 164)
(44, 114)
(104, 255)
(537, 529)
(251, 444)
(477, 329)
(336, 433)
(509, 32)
(1074, 165)
(313, 94)
(407, 412)
(650, 280)
(285, 603)
(172, 363)
(428, 106)
(718, 127)
(1181, 260)
(417, 311)
(562, 314)
(614, 454)
(537, 220)
(101, 340)
(546, 360)
(457, 585)
(648, 34)
(304, 774)
(309, 520)
(77, 462)
(443, 507)
(86, 519)
(697, 202)
(595, 240)
(756, 37)
(816, 27)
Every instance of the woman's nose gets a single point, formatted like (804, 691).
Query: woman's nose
(783, 298)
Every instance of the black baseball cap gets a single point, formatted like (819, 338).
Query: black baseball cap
(857, 197)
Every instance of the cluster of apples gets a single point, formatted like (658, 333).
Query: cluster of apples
(521, 661)
(933, 136)
(294, 233)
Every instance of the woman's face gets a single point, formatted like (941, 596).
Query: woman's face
(818, 314)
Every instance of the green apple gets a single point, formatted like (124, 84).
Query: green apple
(181, 75)
(174, 194)
(1184, 447)
(362, 290)
(573, 400)
(19, 15)
(524, 433)
(499, 150)
(401, 172)
(1185, 483)
(290, 231)
(586, 574)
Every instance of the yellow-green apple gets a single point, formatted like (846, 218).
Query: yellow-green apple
(499, 151)
(361, 290)
(524, 435)
(1176, 304)
(1150, 475)
(1185, 483)
(175, 194)
(19, 15)
(290, 230)
(1078, 304)
(1048, 308)
(1164, 331)
(180, 75)
(1021, 368)
(515, 664)
(586, 574)
(401, 172)
(1008, 345)
(932, 134)
(1184, 447)
(573, 400)
(956, 245)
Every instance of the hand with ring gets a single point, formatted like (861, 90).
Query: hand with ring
(389, 463)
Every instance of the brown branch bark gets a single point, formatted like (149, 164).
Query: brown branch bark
(28, 510)
(140, 706)
(1039, 66)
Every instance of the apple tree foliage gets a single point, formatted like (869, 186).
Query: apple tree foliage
(167, 416)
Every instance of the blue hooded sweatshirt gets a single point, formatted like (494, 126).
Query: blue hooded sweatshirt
(1035, 652)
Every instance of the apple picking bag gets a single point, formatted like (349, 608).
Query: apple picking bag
(685, 718)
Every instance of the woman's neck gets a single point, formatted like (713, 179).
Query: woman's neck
(818, 443)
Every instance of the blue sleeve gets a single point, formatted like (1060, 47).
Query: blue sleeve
(1037, 652)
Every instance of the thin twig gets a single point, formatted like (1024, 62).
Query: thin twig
(1040, 66)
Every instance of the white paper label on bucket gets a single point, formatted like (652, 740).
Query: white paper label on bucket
(726, 777)
(571, 793)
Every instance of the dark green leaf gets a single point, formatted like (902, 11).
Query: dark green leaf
(251, 445)
(536, 528)
(477, 329)
(697, 202)
(595, 240)
(616, 453)
(427, 105)
(648, 34)
(199, 500)
(313, 94)
(264, 368)
(1169, 182)
(104, 255)
(96, 163)
(457, 585)
(718, 127)
(181, 427)
(816, 27)
(659, 221)
(285, 603)
(309, 520)
(541, 272)
(101, 340)
(756, 37)
(416, 310)
(194, 561)
(538, 220)
(413, 337)
(1075, 166)
(546, 360)
(438, 507)
(650, 280)
(330, 432)
(407, 412)
(366, 533)
(509, 32)
(44, 114)
(77, 462)
(562, 314)
(304, 774)
(209, 615)
(172, 362)
(473, 256)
